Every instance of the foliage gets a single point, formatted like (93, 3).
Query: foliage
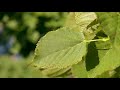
(87, 46)
(9, 68)
(26, 28)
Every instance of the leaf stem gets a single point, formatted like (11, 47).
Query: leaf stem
(97, 40)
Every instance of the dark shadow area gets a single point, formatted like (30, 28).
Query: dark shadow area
(92, 58)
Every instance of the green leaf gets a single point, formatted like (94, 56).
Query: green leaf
(110, 23)
(79, 70)
(60, 49)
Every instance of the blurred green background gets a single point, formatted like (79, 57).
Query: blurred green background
(19, 33)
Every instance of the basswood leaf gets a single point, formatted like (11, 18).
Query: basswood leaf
(110, 23)
(60, 49)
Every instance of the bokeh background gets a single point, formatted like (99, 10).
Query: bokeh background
(19, 34)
